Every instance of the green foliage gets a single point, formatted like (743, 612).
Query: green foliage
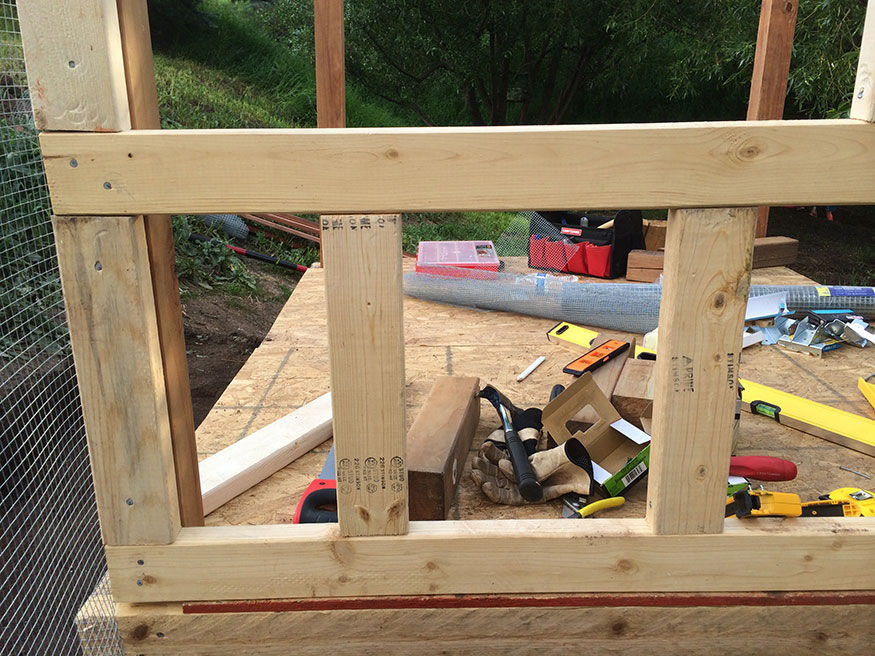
(228, 72)
(31, 305)
(693, 50)
(516, 61)
(465, 226)
(546, 61)
(171, 20)
(208, 265)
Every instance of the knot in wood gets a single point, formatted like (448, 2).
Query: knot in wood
(719, 301)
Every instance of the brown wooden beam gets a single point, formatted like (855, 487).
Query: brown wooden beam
(143, 103)
(771, 66)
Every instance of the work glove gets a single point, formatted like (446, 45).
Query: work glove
(560, 470)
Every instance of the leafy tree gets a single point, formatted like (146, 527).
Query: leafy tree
(550, 61)
(169, 20)
(711, 43)
(447, 61)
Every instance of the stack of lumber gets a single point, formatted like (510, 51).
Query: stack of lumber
(645, 266)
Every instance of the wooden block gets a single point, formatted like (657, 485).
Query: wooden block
(774, 251)
(634, 274)
(366, 351)
(438, 444)
(74, 64)
(113, 328)
(645, 266)
(707, 279)
(634, 390)
(654, 234)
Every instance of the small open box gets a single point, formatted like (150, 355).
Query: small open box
(620, 451)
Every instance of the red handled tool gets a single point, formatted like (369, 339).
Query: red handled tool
(762, 468)
(319, 497)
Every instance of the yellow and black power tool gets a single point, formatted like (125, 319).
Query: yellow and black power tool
(844, 502)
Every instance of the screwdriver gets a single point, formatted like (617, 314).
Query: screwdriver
(762, 468)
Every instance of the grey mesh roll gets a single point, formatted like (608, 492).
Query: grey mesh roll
(630, 308)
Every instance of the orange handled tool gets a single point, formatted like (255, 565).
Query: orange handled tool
(762, 468)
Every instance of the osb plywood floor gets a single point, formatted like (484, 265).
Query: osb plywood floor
(290, 368)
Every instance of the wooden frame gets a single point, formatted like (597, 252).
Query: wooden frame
(684, 544)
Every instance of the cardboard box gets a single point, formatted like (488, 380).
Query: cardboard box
(620, 451)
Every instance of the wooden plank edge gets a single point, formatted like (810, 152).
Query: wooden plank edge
(593, 600)
(458, 557)
(238, 467)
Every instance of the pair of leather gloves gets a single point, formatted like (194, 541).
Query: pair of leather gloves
(560, 470)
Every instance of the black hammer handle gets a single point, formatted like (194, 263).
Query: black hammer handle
(529, 487)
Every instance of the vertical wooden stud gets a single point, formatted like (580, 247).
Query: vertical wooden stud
(74, 64)
(330, 72)
(771, 66)
(706, 282)
(863, 103)
(111, 312)
(143, 99)
(366, 352)
(330, 68)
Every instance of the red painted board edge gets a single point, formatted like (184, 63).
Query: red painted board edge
(826, 598)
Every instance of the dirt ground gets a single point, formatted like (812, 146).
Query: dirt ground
(222, 331)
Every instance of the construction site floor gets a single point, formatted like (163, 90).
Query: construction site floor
(290, 368)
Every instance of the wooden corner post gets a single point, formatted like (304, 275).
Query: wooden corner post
(863, 103)
(143, 104)
(771, 66)
(90, 70)
(707, 280)
(366, 353)
(111, 313)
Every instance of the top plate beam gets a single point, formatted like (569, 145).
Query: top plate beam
(453, 169)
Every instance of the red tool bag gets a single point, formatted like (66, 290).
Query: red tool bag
(572, 242)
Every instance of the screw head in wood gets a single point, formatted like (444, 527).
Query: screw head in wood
(107, 185)
(128, 501)
(99, 267)
(141, 562)
(71, 64)
(73, 163)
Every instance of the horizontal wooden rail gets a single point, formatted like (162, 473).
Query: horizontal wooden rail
(452, 557)
(447, 169)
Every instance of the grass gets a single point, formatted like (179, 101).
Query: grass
(231, 74)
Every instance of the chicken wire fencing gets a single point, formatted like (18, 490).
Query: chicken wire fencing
(51, 558)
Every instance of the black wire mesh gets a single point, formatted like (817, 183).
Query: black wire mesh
(51, 559)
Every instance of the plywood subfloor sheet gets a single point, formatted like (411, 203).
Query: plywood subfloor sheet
(290, 368)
